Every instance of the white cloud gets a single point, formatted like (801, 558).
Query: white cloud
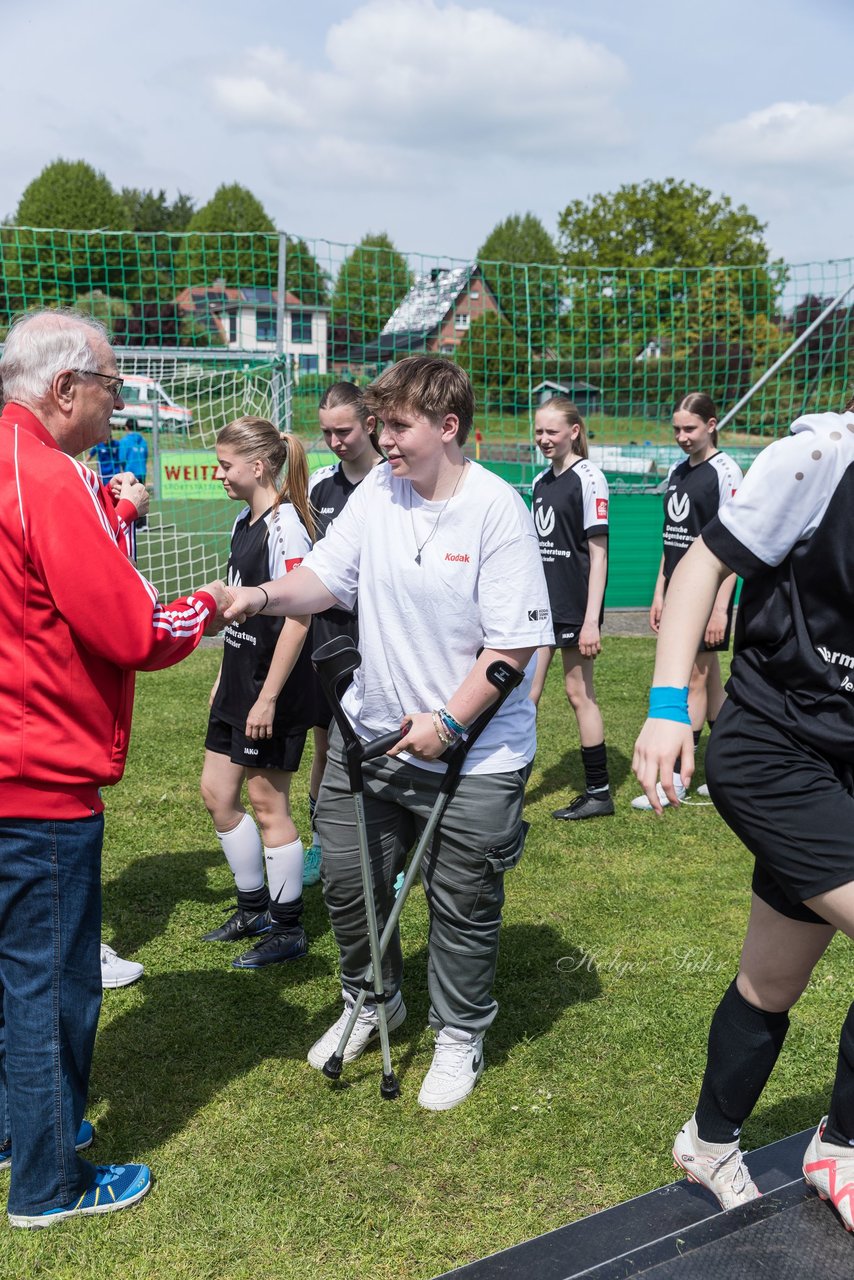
(801, 138)
(427, 77)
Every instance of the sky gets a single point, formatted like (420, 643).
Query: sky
(433, 120)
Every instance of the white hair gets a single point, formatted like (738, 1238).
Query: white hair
(40, 345)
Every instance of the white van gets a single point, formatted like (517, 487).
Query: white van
(139, 395)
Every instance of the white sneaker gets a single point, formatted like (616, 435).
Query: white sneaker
(704, 791)
(455, 1070)
(641, 802)
(365, 1033)
(830, 1169)
(718, 1168)
(116, 972)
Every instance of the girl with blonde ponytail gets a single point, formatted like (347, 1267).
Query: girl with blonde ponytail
(262, 703)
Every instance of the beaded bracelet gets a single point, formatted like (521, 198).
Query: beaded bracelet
(441, 732)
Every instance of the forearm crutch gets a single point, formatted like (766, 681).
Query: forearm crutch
(504, 678)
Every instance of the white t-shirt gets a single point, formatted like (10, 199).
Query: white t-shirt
(480, 584)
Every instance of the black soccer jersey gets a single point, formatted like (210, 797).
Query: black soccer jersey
(260, 551)
(692, 496)
(329, 490)
(789, 532)
(568, 509)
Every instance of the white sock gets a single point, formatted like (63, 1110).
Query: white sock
(244, 855)
(284, 871)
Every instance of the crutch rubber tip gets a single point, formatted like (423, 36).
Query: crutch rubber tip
(332, 1066)
(389, 1087)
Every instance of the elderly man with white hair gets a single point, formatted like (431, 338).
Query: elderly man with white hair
(77, 621)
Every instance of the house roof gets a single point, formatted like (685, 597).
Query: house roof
(230, 297)
(565, 383)
(429, 300)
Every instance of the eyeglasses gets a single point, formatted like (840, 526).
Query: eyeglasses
(111, 382)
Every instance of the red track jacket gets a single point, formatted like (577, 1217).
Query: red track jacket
(76, 620)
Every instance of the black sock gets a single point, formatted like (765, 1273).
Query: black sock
(711, 725)
(253, 900)
(698, 733)
(840, 1120)
(595, 761)
(286, 915)
(744, 1044)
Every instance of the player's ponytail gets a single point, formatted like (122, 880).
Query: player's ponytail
(294, 487)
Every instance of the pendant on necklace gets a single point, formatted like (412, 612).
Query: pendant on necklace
(418, 558)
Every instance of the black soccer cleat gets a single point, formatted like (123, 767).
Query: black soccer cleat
(586, 806)
(276, 948)
(240, 924)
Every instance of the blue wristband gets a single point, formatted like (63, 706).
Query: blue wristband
(669, 704)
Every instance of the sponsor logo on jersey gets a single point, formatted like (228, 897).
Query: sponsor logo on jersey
(545, 521)
(458, 555)
(601, 508)
(678, 508)
(538, 615)
(840, 659)
(327, 511)
(292, 564)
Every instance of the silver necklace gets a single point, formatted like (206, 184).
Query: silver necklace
(418, 549)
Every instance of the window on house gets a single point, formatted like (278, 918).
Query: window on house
(265, 325)
(232, 326)
(130, 393)
(300, 326)
(474, 293)
(462, 321)
(308, 364)
(447, 349)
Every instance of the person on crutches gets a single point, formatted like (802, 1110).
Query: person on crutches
(443, 560)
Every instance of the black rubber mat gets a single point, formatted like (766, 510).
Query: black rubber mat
(679, 1233)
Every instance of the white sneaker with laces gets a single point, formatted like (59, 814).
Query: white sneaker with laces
(641, 802)
(455, 1070)
(116, 972)
(704, 791)
(718, 1168)
(365, 1033)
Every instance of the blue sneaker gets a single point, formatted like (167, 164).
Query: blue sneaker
(311, 865)
(85, 1138)
(116, 1186)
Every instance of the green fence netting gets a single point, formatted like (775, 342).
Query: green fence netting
(208, 326)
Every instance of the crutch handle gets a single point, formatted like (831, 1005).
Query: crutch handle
(379, 746)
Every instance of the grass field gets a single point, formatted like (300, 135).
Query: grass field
(619, 937)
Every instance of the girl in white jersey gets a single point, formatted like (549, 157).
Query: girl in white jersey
(570, 505)
(351, 433)
(694, 491)
(443, 560)
(262, 703)
(780, 766)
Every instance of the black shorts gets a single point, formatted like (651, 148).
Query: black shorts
(282, 751)
(791, 806)
(566, 634)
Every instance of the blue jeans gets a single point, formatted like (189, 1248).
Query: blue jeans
(50, 986)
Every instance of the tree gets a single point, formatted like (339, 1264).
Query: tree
(660, 224)
(148, 211)
(304, 275)
(372, 281)
(51, 267)
(232, 239)
(521, 265)
(496, 363)
(72, 195)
